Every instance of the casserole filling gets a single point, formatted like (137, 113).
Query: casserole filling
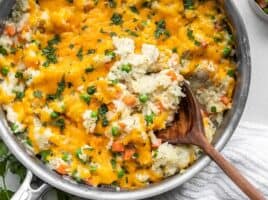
(85, 84)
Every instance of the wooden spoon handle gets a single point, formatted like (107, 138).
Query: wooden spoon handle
(252, 192)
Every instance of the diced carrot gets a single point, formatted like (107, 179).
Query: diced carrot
(160, 106)
(88, 181)
(129, 100)
(128, 154)
(204, 44)
(172, 75)
(10, 29)
(157, 143)
(225, 100)
(122, 125)
(62, 169)
(111, 106)
(118, 147)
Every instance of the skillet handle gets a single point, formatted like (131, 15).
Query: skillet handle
(26, 192)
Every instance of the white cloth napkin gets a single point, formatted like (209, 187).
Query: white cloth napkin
(248, 151)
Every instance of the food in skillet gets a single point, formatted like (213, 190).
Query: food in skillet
(86, 84)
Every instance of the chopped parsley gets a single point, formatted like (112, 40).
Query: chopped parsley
(132, 33)
(60, 89)
(60, 123)
(190, 35)
(4, 71)
(188, 4)
(19, 95)
(93, 168)
(50, 51)
(231, 73)
(91, 51)
(112, 3)
(174, 50)
(19, 75)
(37, 94)
(3, 51)
(89, 69)
(110, 53)
(117, 19)
(71, 46)
(80, 54)
(113, 163)
(134, 9)
(103, 109)
(91, 89)
(54, 115)
(161, 29)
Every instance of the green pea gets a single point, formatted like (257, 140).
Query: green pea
(126, 67)
(143, 98)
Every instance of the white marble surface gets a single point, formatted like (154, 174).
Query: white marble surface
(257, 105)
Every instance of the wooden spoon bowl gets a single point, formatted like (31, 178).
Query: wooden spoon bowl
(188, 128)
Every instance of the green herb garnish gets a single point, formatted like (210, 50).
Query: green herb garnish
(161, 30)
(117, 19)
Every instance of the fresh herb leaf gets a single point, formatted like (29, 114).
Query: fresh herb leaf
(117, 19)
(113, 163)
(188, 4)
(110, 53)
(3, 51)
(112, 3)
(91, 89)
(161, 30)
(190, 34)
(19, 75)
(80, 54)
(16, 168)
(89, 69)
(134, 9)
(91, 51)
(231, 73)
(4, 71)
(59, 123)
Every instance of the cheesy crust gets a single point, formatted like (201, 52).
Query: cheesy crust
(86, 83)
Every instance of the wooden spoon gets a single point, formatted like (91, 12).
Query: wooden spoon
(188, 129)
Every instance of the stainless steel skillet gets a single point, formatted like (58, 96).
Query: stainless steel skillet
(222, 136)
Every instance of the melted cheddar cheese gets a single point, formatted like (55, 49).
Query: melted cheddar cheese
(54, 87)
